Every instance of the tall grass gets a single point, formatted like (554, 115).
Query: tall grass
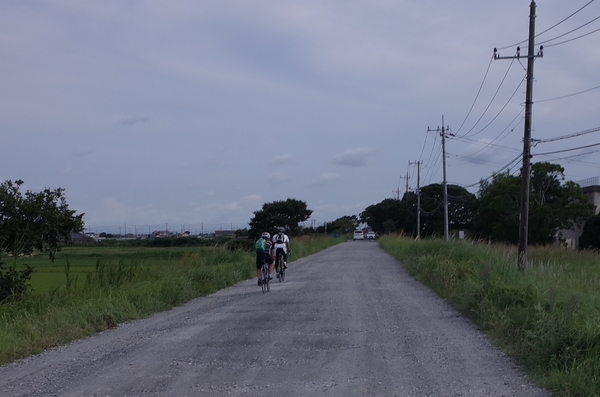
(116, 289)
(547, 317)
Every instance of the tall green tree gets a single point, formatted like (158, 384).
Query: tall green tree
(461, 208)
(401, 215)
(32, 221)
(553, 205)
(387, 216)
(590, 237)
(287, 214)
(345, 224)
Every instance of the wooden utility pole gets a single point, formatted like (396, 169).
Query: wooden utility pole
(443, 132)
(418, 163)
(526, 168)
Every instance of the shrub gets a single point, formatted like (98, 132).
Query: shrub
(13, 283)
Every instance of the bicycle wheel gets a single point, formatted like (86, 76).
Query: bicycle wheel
(282, 274)
(279, 268)
(265, 277)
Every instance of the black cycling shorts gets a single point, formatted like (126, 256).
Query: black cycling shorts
(260, 256)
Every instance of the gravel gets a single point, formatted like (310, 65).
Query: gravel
(347, 321)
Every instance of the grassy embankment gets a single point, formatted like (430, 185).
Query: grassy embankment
(547, 318)
(90, 289)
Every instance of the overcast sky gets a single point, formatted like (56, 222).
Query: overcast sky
(193, 114)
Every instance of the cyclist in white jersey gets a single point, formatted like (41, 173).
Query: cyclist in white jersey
(281, 244)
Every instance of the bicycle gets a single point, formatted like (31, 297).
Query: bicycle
(264, 277)
(280, 266)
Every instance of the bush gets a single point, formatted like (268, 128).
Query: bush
(13, 283)
(590, 238)
(240, 245)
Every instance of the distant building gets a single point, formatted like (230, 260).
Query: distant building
(591, 187)
(162, 234)
(80, 238)
(225, 233)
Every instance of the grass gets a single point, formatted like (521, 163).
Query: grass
(87, 290)
(547, 318)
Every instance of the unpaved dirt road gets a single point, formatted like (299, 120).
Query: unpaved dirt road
(347, 321)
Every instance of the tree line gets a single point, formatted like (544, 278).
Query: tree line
(493, 213)
(42, 221)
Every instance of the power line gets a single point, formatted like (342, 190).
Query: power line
(494, 97)
(491, 145)
(536, 141)
(550, 28)
(476, 96)
(569, 32)
(568, 150)
(507, 166)
(501, 110)
(574, 38)
(570, 95)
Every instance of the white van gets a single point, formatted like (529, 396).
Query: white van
(358, 235)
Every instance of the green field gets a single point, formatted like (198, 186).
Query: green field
(90, 289)
(78, 262)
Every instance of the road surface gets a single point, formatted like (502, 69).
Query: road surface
(347, 321)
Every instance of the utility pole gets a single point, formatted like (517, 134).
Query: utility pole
(418, 163)
(406, 180)
(526, 168)
(442, 132)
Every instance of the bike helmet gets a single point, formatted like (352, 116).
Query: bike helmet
(266, 235)
(280, 230)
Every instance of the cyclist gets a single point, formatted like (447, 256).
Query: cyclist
(264, 252)
(281, 245)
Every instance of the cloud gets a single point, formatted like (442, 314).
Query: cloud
(325, 179)
(278, 178)
(354, 157)
(112, 211)
(133, 120)
(282, 159)
(82, 153)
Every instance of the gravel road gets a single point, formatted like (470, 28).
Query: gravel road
(347, 321)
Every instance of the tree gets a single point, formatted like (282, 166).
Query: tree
(553, 205)
(287, 214)
(461, 208)
(386, 217)
(590, 237)
(345, 224)
(34, 221)
(401, 215)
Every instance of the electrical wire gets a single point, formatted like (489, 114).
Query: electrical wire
(567, 150)
(550, 28)
(567, 96)
(494, 97)
(476, 96)
(491, 145)
(579, 155)
(573, 39)
(500, 112)
(559, 138)
(569, 32)
(507, 166)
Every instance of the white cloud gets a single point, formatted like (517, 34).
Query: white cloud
(324, 179)
(354, 157)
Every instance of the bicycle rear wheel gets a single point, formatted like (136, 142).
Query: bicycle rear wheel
(265, 277)
(279, 268)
